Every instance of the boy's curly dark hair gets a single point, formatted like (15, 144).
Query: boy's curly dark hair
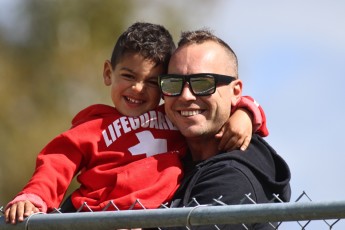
(152, 41)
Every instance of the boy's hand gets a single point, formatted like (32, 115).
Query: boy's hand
(236, 133)
(19, 211)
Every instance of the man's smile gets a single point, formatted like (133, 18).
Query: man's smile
(188, 113)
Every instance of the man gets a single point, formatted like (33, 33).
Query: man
(199, 91)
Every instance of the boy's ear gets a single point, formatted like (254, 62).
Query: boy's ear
(107, 72)
(237, 92)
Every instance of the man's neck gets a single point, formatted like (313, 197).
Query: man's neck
(202, 148)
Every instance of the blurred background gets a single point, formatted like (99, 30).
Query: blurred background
(291, 60)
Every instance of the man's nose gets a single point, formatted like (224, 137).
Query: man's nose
(187, 92)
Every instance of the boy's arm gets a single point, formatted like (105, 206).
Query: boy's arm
(56, 166)
(247, 117)
(258, 118)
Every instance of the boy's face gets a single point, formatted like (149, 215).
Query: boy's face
(133, 81)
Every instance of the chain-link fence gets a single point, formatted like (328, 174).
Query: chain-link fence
(301, 214)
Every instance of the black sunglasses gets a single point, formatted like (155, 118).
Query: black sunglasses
(200, 84)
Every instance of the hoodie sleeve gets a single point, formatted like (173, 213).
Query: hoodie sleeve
(223, 181)
(259, 117)
(56, 166)
(34, 199)
(227, 184)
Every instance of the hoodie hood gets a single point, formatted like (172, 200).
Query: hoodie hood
(93, 112)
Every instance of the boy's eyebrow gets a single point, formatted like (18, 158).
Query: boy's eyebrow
(132, 71)
(128, 69)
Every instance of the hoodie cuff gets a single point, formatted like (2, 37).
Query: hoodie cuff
(34, 199)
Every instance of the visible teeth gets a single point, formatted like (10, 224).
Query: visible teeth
(134, 100)
(190, 112)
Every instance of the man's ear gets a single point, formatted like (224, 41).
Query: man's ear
(107, 72)
(237, 92)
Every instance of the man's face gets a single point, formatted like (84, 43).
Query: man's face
(133, 82)
(201, 116)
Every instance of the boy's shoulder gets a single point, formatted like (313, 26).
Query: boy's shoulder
(93, 112)
(97, 111)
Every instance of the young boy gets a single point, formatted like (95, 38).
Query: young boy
(122, 153)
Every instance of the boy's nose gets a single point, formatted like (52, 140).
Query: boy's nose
(138, 86)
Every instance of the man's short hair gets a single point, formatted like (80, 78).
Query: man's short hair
(204, 35)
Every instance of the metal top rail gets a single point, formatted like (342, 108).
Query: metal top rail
(200, 215)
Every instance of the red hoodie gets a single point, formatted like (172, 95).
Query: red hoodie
(118, 158)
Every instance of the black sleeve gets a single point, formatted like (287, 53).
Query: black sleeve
(225, 181)
(222, 179)
(229, 180)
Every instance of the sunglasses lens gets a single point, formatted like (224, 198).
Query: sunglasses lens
(203, 85)
(171, 86)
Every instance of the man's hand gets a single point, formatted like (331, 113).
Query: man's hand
(19, 211)
(236, 133)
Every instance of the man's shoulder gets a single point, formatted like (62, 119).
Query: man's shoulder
(258, 149)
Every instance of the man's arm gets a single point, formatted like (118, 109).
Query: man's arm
(220, 179)
(224, 181)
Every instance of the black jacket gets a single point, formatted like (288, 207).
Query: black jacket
(258, 171)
